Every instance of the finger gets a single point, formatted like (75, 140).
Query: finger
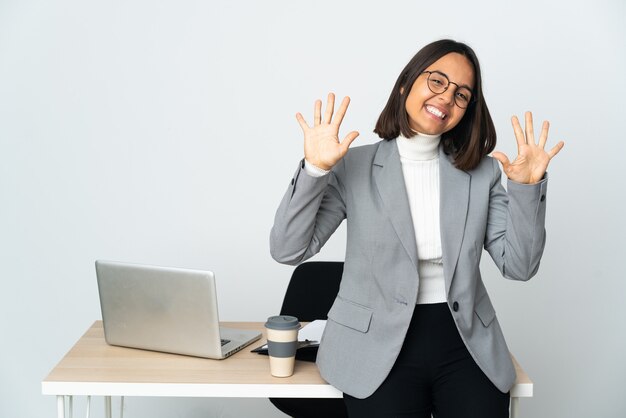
(317, 112)
(504, 160)
(555, 150)
(341, 112)
(528, 125)
(302, 122)
(345, 144)
(544, 134)
(519, 134)
(330, 108)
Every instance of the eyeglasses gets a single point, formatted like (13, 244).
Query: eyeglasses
(438, 83)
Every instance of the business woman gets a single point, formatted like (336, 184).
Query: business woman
(412, 331)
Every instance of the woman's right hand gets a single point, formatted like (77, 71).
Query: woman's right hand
(321, 142)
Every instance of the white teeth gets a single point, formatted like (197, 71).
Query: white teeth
(435, 112)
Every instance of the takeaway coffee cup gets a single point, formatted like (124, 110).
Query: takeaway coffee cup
(282, 342)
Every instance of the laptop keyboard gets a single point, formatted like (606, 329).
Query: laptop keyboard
(224, 342)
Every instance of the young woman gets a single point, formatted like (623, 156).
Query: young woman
(412, 331)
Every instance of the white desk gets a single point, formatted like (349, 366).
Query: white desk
(94, 368)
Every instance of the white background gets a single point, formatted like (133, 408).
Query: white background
(163, 132)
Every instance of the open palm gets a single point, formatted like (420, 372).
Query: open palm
(322, 147)
(532, 159)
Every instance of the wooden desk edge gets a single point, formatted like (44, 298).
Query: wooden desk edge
(191, 390)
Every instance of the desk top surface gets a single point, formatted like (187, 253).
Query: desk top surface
(94, 367)
(92, 359)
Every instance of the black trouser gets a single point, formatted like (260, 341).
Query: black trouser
(434, 374)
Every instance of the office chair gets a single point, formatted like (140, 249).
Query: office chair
(310, 294)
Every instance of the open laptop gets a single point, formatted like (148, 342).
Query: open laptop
(165, 309)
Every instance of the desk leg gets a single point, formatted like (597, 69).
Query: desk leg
(60, 406)
(107, 406)
(514, 407)
(88, 405)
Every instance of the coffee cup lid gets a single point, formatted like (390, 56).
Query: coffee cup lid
(285, 322)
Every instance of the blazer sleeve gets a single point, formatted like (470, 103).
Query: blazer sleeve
(515, 234)
(309, 212)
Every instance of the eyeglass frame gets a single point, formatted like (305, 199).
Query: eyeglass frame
(472, 98)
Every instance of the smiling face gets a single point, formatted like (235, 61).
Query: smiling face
(434, 114)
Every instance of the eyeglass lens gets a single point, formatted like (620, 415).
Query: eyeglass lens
(439, 83)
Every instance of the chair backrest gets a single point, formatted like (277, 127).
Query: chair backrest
(312, 290)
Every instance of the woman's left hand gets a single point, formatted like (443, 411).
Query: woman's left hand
(532, 159)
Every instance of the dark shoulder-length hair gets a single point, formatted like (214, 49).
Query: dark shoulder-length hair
(472, 138)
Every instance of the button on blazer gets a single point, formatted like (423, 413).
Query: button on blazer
(371, 314)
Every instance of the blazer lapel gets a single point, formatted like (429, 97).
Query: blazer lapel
(389, 180)
(454, 188)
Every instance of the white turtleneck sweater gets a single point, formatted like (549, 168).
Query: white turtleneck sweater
(419, 156)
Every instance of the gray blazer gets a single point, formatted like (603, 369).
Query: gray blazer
(371, 314)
